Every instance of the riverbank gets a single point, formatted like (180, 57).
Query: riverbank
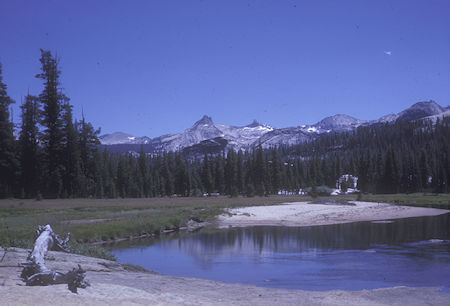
(308, 214)
(115, 284)
(106, 220)
(96, 221)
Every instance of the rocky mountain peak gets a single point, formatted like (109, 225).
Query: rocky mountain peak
(254, 124)
(420, 110)
(338, 121)
(430, 105)
(206, 120)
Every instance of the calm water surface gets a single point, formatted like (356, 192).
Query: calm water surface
(364, 255)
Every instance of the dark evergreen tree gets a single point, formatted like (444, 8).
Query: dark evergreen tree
(99, 175)
(182, 178)
(240, 175)
(29, 149)
(167, 171)
(389, 181)
(144, 173)
(425, 172)
(363, 173)
(275, 172)
(207, 181)
(52, 100)
(231, 187)
(8, 161)
(259, 172)
(219, 174)
(72, 175)
(123, 177)
(88, 145)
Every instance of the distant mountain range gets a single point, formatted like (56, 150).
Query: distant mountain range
(207, 136)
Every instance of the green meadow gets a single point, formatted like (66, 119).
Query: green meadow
(92, 222)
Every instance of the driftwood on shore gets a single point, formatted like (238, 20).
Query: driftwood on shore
(35, 273)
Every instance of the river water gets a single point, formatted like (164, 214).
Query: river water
(364, 255)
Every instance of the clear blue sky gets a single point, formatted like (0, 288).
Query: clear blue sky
(155, 67)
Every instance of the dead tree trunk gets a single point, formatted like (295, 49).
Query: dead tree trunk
(35, 273)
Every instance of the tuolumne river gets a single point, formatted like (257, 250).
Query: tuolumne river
(354, 256)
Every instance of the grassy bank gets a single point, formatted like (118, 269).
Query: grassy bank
(98, 220)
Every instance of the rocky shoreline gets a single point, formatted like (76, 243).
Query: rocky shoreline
(113, 283)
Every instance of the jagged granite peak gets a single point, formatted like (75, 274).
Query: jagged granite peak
(206, 120)
(254, 123)
(420, 110)
(202, 130)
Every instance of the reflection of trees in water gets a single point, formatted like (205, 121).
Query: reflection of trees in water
(206, 246)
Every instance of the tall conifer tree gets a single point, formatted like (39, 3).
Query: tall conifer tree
(206, 176)
(8, 161)
(259, 172)
(72, 176)
(29, 149)
(52, 100)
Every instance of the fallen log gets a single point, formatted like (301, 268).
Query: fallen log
(35, 273)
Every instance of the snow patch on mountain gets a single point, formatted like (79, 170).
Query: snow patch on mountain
(387, 118)
(434, 118)
(243, 137)
(285, 136)
(122, 138)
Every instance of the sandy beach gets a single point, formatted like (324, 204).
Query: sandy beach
(305, 214)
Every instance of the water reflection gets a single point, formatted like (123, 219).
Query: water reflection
(346, 256)
(360, 235)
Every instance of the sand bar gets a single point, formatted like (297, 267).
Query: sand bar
(305, 214)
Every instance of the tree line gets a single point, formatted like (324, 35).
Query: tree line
(56, 156)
